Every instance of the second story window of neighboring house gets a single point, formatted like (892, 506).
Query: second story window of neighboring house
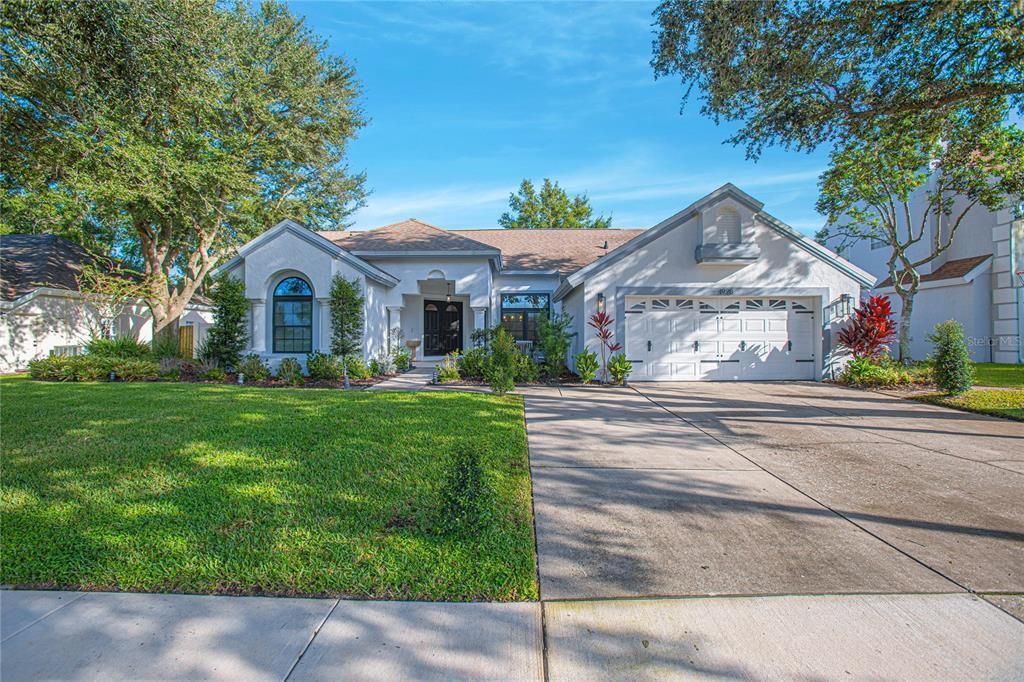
(520, 314)
(877, 244)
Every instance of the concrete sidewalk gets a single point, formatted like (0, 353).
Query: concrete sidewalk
(94, 636)
(102, 636)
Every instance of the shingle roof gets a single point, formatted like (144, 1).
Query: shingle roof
(30, 261)
(951, 269)
(562, 250)
(408, 235)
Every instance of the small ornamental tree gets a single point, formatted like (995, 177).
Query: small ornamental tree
(229, 333)
(346, 316)
(870, 329)
(602, 322)
(555, 341)
(952, 367)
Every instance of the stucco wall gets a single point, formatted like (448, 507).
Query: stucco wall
(668, 263)
(966, 303)
(32, 330)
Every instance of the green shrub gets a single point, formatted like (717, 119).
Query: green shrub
(483, 336)
(166, 345)
(448, 370)
(555, 340)
(472, 363)
(527, 371)
(403, 360)
(94, 368)
(880, 371)
(290, 372)
(253, 368)
(136, 369)
(357, 369)
(213, 374)
(229, 333)
(587, 365)
(323, 367)
(465, 498)
(121, 347)
(375, 367)
(619, 368)
(951, 361)
(500, 368)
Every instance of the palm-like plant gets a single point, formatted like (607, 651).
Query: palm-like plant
(602, 322)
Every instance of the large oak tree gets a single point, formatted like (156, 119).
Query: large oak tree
(171, 131)
(916, 99)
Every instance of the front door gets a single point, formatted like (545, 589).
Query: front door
(442, 327)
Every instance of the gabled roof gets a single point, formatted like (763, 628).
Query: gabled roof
(562, 251)
(407, 237)
(951, 269)
(731, 191)
(314, 238)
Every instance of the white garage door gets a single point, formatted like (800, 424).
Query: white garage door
(700, 339)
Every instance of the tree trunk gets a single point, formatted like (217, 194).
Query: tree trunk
(906, 310)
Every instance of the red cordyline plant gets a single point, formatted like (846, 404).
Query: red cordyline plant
(602, 322)
(870, 329)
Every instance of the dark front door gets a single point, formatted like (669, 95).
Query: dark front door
(442, 327)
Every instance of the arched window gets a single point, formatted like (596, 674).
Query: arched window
(293, 316)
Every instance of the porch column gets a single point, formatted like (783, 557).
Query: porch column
(324, 341)
(479, 317)
(258, 310)
(394, 322)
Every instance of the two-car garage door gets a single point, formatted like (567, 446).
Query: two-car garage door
(694, 339)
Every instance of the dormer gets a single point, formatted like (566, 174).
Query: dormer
(727, 234)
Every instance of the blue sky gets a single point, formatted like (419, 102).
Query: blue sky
(467, 99)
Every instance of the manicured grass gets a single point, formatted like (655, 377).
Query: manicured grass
(182, 487)
(1000, 403)
(995, 374)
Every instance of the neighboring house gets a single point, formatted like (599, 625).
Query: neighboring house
(42, 311)
(974, 282)
(721, 290)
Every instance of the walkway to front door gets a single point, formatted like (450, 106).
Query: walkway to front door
(442, 327)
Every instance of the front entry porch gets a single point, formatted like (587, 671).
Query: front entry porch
(441, 315)
(442, 327)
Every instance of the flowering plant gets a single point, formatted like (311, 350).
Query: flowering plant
(870, 329)
(602, 322)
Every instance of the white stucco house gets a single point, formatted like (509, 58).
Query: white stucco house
(42, 311)
(720, 290)
(975, 281)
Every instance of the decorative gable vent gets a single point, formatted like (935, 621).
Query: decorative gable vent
(728, 226)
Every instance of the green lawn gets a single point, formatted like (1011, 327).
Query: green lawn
(182, 487)
(1000, 403)
(994, 374)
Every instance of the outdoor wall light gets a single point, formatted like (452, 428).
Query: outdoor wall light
(600, 303)
(448, 296)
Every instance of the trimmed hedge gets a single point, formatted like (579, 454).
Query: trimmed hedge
(93, 368)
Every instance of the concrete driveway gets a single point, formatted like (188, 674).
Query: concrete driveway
(766, 491)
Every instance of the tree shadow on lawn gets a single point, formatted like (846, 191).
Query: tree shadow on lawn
(218, 489)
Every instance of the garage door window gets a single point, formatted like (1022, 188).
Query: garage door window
(520, 314)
